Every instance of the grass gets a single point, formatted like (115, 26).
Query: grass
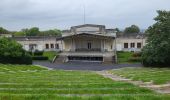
(50, 54)
(36, 83)
(157, 75)
(124, 56)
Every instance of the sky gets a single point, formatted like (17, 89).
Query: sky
(62, 14)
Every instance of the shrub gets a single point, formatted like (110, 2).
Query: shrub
(38, 53)
(137, 54)
(40, 58)
(12, 52)
(134, 59)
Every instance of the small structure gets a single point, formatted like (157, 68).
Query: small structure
(41, 43)
(130, 42)
(91, 43)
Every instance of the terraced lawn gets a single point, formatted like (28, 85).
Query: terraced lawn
(36, 83)
(156, 75)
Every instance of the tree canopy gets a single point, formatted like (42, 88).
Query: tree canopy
(132, 29)
(157, 50)
(4, 31)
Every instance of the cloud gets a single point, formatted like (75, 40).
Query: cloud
(18, 14)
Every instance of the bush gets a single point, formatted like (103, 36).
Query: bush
(134, 59)
(137, 54)
(40, 58)
(12, 52)
(38, 53)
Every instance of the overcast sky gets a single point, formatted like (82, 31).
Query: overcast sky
(49, 14)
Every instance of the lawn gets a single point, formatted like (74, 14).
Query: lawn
(156, 75)
(37, 83)
(50, 55)
(123, 57)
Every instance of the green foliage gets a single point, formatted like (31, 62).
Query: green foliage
(20, 33)
(54, 32)
(33, 31)
(157, 50)
(4, 31)
(50, 54)
(132, 29)
(12, 52)
(38, 53)
(40, 58)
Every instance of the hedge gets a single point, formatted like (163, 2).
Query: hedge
(40, 58)
(16, 60)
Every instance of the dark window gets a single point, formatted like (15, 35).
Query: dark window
(52, 45)
(139, 45)
(132, 45)
(89, 45)
(125, 45)
(111, 47)
(57, 46)
(47, 46)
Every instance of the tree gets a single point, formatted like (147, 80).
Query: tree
(157, 50)
(12, 52)
(132, 29)
(34, 31)
(4, 31)
(54, 32)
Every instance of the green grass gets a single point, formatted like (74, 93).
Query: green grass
(157, 75)
(37, 83)
(124, 56)
(50, 54)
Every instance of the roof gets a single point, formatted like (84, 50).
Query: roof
(131, 35)
(88, 34)
(34, 38)
(90, 25)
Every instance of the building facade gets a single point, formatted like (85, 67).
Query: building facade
(39, 43)
(130, 42)
(88, 43)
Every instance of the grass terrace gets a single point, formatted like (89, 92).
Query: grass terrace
(37, 83)
(157, 75)
(50, 54)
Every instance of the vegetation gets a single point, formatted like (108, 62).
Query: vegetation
(50, 54)
(132, 29)
(34, 31)
(12, 52)
(157, 50)
(128, 57)
(157, 75)
(4, 31)
(36, 83)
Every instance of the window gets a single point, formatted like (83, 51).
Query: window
(139, 45)
(57, 46)
(89, 45)
(132, 45)
(111, 47)
(125, 45)
(52, 45)
(47, 46)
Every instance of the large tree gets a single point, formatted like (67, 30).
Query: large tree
(132, 29)
(157, 50)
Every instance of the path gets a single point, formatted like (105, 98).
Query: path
(165, 88)
(91, 66)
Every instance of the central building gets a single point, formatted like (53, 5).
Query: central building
(88, 43)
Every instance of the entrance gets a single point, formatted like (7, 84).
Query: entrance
(85, 59)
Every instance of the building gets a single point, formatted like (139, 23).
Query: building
(130, 42)
(88, 43)
(5, 35)
(41, 43)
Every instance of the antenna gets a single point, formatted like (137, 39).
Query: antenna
(84, 8)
